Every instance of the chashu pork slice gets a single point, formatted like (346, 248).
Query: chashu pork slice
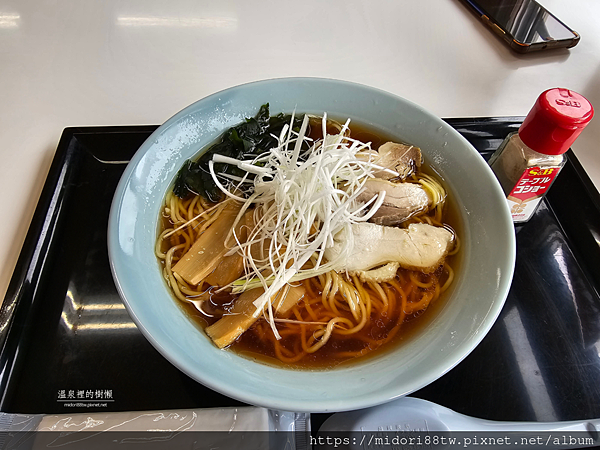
(401, 158)
(401, 201)
(418, 247)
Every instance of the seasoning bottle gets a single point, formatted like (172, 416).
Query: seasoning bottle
(528, 161)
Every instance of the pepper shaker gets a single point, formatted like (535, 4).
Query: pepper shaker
(528, 161)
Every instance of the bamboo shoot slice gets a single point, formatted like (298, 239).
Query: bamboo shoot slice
(231, 267)
(228, 328)
(228, 270)
(208, 250)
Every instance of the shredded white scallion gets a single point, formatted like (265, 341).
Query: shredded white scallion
(302, 199)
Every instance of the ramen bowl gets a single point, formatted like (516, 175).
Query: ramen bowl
(452, 331)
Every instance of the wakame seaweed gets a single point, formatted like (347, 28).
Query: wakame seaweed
(248, 139)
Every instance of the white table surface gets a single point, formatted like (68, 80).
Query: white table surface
(77, 63)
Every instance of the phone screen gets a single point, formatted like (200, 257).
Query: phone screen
(526, 20)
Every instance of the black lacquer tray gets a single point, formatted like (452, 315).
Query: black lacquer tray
(67, 338)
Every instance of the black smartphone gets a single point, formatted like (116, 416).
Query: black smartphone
(524, 24)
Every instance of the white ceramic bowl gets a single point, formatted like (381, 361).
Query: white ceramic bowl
(478, 293)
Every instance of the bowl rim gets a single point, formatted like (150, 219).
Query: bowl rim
(298, 405)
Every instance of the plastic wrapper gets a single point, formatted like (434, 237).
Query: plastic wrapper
(213, 428)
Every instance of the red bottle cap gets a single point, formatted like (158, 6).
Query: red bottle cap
(556, 119)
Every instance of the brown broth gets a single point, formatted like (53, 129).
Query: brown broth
(250, 345)
(339, 349)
